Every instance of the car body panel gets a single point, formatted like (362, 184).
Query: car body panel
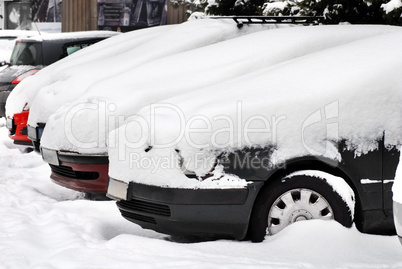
(371, 196)
(18, 130)
(79, 172)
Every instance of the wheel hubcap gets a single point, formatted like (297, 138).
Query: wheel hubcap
(297, 205)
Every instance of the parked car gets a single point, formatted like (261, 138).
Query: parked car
(31, 55)
(7, 43)
(114, 51)
(397, 201)
(85, 169)
(82, 162)
(316, 137)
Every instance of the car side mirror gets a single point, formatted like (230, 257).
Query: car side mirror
(3, 63)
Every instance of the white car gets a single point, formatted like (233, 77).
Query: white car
(314, 137)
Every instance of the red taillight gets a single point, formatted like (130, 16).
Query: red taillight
(24, 75)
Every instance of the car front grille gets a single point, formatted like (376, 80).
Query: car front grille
(67, 171)
(144, 206)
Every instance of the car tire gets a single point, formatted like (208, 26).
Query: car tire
(283, 202)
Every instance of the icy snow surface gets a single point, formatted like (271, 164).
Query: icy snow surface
(43, 225)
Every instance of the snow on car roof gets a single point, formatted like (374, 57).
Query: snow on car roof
(7, 41)
(300, 107)
(186, 72)
(70, 35)
(144, 46)
(25, 92)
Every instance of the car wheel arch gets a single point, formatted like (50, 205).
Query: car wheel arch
(298, 167)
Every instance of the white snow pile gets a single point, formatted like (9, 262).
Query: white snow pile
(43, 225)
(300, 107)
(83, 125)
(391, 6)
(67, 80)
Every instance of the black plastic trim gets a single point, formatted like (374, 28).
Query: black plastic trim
(83, 159)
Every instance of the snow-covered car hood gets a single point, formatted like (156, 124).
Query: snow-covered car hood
(67, 80)
(301, 107)
(83, 125)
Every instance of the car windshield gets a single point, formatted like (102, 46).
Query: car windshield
(26, 54)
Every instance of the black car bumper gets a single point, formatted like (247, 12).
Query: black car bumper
(222, 213)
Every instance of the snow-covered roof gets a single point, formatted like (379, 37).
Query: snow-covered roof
(300, 107)
(71, 35)
(7, 41)
(114, 57)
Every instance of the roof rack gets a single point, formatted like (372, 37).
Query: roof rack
(241, 20)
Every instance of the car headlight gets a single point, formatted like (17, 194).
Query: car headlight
(32, 133)
(9, 123)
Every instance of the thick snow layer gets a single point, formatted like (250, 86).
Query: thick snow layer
(351, 92)
(84, 124)
(70, 78)
(391, 6)
(43, 225)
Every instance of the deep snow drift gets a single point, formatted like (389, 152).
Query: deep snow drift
(43, 225)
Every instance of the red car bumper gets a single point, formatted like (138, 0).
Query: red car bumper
(87, 174)
(18, 130)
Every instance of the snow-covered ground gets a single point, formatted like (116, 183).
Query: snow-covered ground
(46, 226)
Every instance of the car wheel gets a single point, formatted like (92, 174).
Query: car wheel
(295, 199)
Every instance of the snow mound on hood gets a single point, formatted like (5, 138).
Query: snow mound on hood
(300, 107)
(80, 126)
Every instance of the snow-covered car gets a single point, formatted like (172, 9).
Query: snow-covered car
(31, 55)
(76, 140)
(173, 64)
(397, 201)
(315, 137)
(140, 47)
